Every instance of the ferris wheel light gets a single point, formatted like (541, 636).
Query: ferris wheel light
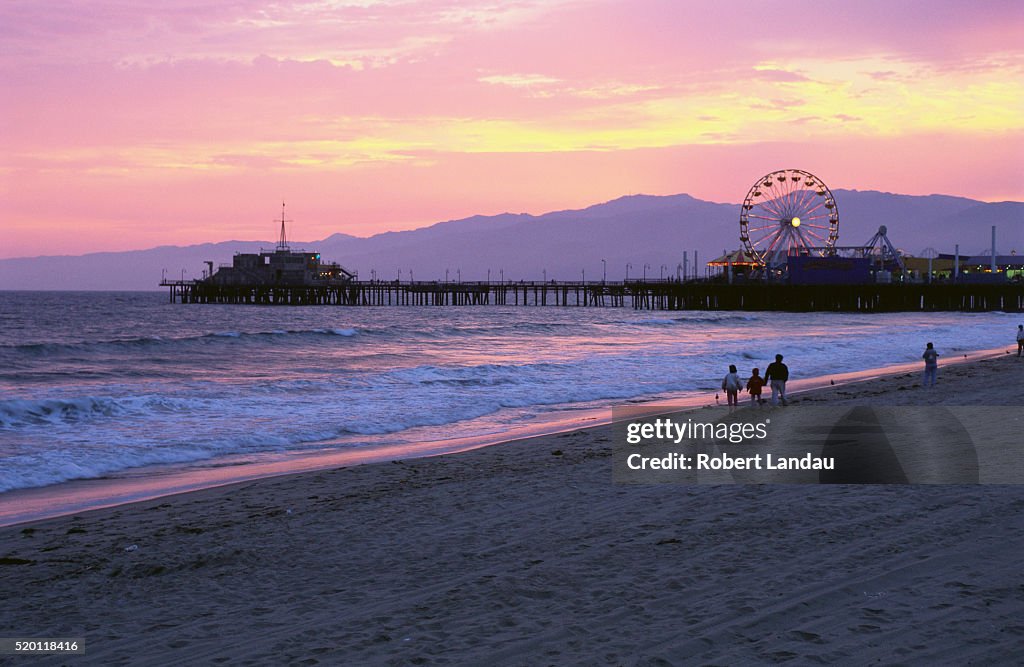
(795, 222)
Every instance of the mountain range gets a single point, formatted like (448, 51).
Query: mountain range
(649, 233)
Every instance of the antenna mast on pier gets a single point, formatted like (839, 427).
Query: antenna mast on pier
(282, 243)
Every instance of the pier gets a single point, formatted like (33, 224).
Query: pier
(636, 294)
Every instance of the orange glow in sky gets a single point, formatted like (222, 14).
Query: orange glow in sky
(128, 125)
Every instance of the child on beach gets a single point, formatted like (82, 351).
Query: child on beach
(931, 365)
(754, 386)
(732, 384)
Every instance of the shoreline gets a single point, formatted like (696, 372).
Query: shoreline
(528, 553)
(154, 482)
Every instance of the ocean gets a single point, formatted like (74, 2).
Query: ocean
(101, 384)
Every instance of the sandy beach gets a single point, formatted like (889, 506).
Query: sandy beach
(526, 553)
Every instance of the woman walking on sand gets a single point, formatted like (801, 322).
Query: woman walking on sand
(931, 365)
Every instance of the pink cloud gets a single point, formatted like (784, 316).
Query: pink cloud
(779, 75)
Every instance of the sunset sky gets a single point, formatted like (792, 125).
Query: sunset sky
(125, 125)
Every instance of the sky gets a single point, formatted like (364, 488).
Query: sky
(128, 125)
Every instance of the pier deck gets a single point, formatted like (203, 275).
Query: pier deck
(638, 294)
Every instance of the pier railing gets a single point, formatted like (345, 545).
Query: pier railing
(637, 294)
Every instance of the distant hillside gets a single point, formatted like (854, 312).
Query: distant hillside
(637, 230)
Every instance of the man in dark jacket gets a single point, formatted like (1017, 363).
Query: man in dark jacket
(776, 374)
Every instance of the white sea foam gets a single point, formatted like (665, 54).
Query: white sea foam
(25, 412)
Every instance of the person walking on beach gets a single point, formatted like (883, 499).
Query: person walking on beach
(754, 385)
(1020, 340)
(777, 374)
(931, 365)
(732, 384)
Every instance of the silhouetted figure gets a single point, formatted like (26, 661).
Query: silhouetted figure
(777, 374)
(754, 385)
(931, 365)
(1020, 340)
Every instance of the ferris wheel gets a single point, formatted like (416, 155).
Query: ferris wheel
(785, 212)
